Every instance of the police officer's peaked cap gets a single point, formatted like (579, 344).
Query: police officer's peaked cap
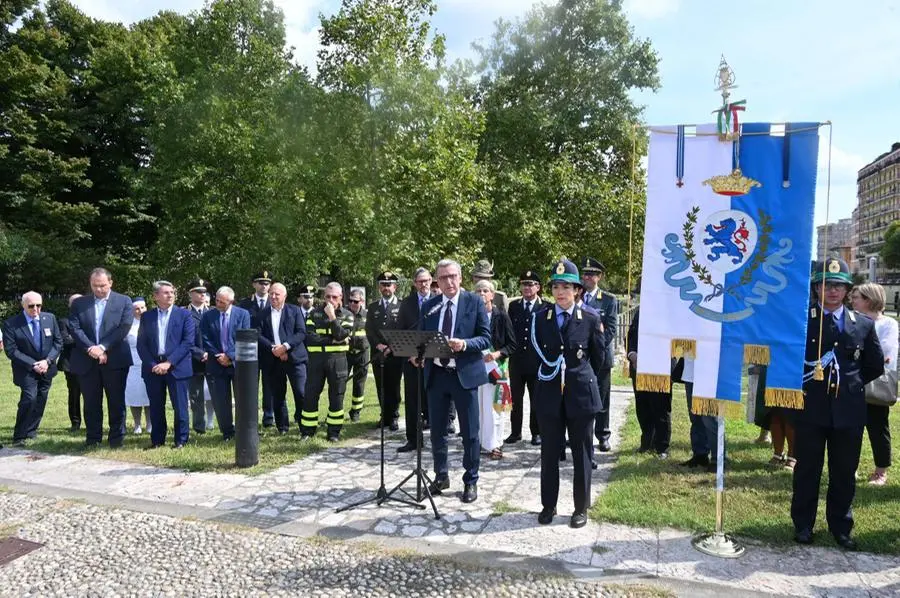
(483, 269)
(529, 276)
(833, 268)
(592, 266)
(565, 271)
(263, 276)
(199, 285)
(307, 291)
(388, 277)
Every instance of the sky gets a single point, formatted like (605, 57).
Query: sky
(794, 60)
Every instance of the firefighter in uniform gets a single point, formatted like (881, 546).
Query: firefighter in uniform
(328, 329)
(384, 314)
(358, 356)
(834, 408)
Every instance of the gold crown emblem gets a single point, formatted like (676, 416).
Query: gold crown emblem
(265, 273)
(732, 184)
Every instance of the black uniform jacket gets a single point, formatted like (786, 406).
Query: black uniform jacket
(377, 319)
(585, 355)
(839, 400)
(524, 354)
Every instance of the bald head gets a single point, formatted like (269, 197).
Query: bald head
(277, 295)
(32, 303)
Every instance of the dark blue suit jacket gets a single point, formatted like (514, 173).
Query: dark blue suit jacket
(471, 326)
(18, 342)
(179, 341)
(585, 355)
(114, 328)
(292, 331)
(210, 326)
(607, 308)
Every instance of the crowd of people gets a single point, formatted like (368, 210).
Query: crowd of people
(560, 350)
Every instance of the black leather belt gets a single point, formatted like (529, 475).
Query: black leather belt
(447, 369)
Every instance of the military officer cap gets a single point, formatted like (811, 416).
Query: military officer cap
(834, 269)
(565, 271)
(483, 269)
(388, 277)
(529, 276)
(199, 285)
(307, 291)
(592, 266)
(262, 277)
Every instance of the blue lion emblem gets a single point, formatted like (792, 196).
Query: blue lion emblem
(727, 238)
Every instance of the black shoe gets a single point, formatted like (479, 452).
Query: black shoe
(89, 444)
(178, 446)
(579, 519)
(20, 443)
(512, 439)
(711, 468)
(696, 461)
(332, 438)
(804, 536)
(470, 493)
(845, 542)
(643, 449)
(604, 447)
(662, 456)
(594, 464)
(75, 427)
(425, 426)
(306, 437)
(438, 486)
(546, 516)
(268, 424)
(406, 448)
(228, 438)
(536, 440)
(354, 416)
(200, 432)
(115, 445)
(394, 426)
(152, 447)
(282, 432)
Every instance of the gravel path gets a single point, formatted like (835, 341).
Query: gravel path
(98, 551)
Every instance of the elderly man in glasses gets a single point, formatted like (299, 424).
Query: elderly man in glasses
(33, 343)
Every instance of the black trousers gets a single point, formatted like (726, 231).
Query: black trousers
(97, 380)
(553, 430)
(280, 374)
(842, 445)
(358, 366)
(411, 397)
(268, 418)
(387, 383)
(32, 401)
(74, 391)
(322, 367)
(197, 401)
(601, 421)
(522, 375)
(654, 415)
(879, 434)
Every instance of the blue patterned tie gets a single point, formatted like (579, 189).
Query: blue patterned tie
(36, 333)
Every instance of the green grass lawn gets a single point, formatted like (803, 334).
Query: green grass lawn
(648, 492)
(202, 453)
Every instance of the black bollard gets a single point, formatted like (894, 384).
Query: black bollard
(246, 401)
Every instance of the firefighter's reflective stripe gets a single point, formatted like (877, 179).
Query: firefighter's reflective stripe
(328, 349)
(335, 418)
(357, 403)
(309, 419)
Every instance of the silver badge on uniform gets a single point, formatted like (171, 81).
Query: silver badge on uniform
(580, 354)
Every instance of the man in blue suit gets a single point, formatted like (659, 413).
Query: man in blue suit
(32, 342)
(164, 342)
(282, 352)
(100, 323)
(462, 318)
(217, 327)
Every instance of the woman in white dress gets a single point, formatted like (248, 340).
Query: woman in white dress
(135, 391)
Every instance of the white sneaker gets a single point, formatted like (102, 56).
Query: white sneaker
(138, 430)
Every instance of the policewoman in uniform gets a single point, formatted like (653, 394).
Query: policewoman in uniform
(571, 351)
(834, 411)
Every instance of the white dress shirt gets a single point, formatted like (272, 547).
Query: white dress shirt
(276, 326)
(453, 314)
(162, 324)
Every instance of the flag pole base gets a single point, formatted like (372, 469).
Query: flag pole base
(718, 544)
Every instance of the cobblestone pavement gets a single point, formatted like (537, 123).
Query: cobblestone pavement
(503, 520)
(96, 551)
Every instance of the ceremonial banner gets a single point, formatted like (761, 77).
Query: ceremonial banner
(726, 263)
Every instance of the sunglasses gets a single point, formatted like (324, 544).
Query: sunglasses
(356, 301)
(33, 305)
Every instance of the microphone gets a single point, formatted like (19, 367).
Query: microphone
(435, 309)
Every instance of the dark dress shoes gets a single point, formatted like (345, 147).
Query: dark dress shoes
(604, 447)
(406, 448)
(845, 542)
(546, 516)
(513, 439)
(470, 493)
(178, 445)
(536, 440)
(594, 464)
(394, 426)
(332, 438)
(803, 536)
(438, 486)
(696, 461)
(354, 416)
(579, 519)
(152, 447)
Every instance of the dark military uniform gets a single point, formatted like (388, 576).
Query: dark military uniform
(523, 364)
(388, 369)
(196, 396)
(358, 361)
(607, 307)
(834, 412)
(327, 343)
(566, 393)
(255, 305)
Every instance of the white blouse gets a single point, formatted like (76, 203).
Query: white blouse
(889, 336)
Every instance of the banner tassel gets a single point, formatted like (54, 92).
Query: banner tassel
(684, 347)
(716, 407)
(653, 382)
(784, 397)
(758, 354)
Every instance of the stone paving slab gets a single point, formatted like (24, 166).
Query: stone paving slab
(503, 519)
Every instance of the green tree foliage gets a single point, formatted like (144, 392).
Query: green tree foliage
(890, 251)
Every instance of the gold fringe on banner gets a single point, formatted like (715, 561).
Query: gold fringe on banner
(653, 382)
(716, 407)
(784, 397)
(684, 347)
(758, 354)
